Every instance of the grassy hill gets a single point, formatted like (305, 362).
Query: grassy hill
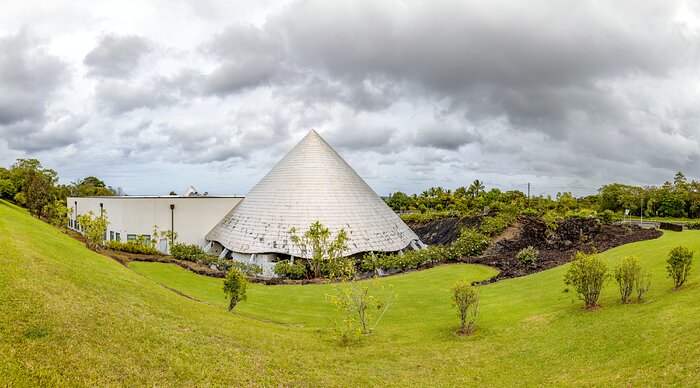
(71, 317)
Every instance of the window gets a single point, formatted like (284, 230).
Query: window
(70, 222)
(111, 235)
(130, 237)
(119, 237)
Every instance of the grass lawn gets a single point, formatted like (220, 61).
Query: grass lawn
(69, 316)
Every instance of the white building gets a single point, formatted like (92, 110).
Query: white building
(191, 217)
(311, 183)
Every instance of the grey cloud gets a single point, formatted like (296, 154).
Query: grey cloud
(28, 78)
(116, 56)
(119, 97)
(54, 133)
(249, 57)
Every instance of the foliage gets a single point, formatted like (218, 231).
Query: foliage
(316, 244)
(469, 243)
(248, 269)
(57, 213)
(132, 247)
(491, 226)
(606, 217)
(93, 228)
(627, 274)
(466, 298)
(692, 225)
(680, 260)
(286, 269)
(235, 285)
(642, 284)
(587, 275)
(527, 255)
(189, 252)
(410, 259)
(422, 218)
(357, 302)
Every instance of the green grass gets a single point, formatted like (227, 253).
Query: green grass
(71, 317)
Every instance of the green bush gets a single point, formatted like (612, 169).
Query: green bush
(680, 259)
(469, 243)
(189, 252)
(132, 247)
(528, 211)
(587, 275)
(420, 218)
(466, 298)
(642, 284)
(606, 217)
(626, 275)
(527, 255)
(290, 271)
(235, 286)
(338, 268)
(248, 269)
(692, 225)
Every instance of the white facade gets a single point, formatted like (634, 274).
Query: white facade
(191, 218)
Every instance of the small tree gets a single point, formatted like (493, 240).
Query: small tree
(357, 301)
(680, 259)
(316, 244)
(587, 274)
(466, 298)
(642, 284)
(626, 275)
(93, 228)
(235, 285)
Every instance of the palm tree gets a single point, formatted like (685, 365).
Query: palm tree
(476, 188)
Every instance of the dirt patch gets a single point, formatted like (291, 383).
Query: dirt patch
(555, 246)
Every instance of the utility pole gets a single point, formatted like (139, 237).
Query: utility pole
(641, 209)
(528, 194)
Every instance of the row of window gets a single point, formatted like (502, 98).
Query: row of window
(113, 236)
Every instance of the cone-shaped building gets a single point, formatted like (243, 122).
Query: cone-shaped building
(311, 183)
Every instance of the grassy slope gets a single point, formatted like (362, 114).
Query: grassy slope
(70, 316)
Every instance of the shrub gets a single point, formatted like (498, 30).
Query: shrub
(606, 217)
(93, 228)
(423, 217)
(642, 284)
(626, 275)
(587, 275)
(680, 259)
(248, 269)
(338, 268)
(528, 211)
(318, 246)
(466, 298)
(132, 247)
(469, 243)
(692, 225)
(357, 301)
(189, 252)
(290, 271)
(235, 286)
(527, 255)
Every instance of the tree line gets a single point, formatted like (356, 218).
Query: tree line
(677, 198)
(29, 184)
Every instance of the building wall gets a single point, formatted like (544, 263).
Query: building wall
(193, 217)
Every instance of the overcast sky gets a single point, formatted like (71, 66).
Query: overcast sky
(155, 96)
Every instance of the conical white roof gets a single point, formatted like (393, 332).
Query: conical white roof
(311, 183)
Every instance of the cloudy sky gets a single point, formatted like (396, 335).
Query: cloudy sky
(155, 96)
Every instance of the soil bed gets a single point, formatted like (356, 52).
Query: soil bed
(556, 247)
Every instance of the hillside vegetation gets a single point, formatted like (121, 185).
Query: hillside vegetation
(69, 316)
